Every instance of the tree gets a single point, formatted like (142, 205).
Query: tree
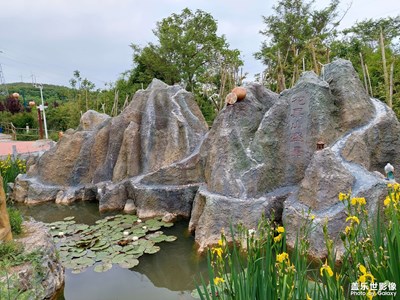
(87, 86)
(79, 84)
(374, 48)
(13, 105)
(297, 37)
(189, 52)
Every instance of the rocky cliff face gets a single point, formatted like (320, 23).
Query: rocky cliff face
(45, 278)
(162, 125)
(259, 157)
(257, 165)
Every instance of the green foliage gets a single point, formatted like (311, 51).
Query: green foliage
(28, 92)
(12, 254)
(9, 170)
(10, 251)
(363, 39)
(15, 220)
(296, 34)
(258, 265)
(119, 239)
(191, 53)
(65, 116)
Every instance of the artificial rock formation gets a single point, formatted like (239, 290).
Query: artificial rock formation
(162, 125)
(259, 157)
(5, 229)
(259, 161)
(46, 277)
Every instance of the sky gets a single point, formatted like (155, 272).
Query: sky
(48, 39)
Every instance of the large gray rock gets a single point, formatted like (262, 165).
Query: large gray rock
(161, 126)
(50, 279)
(378, 145)
(250, 154)
(213, 213)
(91, 119)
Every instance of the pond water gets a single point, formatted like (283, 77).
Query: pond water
(169, 274)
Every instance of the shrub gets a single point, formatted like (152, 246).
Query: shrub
(12, 254)
(15, 220)
(9, 250)
(9, 170)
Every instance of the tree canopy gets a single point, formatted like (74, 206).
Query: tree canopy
(297, 37)
(188, 47)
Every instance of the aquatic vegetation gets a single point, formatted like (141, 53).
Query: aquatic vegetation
(119, 239)
(257, 264)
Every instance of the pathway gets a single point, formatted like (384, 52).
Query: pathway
(7, 146)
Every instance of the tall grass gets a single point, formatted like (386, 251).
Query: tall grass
(258, 266)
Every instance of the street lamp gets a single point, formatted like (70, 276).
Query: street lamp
(42, 108)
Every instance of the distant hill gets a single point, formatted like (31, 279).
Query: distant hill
(51, 92)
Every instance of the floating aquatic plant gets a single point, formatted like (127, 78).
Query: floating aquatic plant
(119, 239)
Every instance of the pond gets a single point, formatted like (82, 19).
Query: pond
(169, 274)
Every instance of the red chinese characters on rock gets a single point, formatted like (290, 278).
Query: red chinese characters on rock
(297, 135)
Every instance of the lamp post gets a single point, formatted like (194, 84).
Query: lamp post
(42, 109)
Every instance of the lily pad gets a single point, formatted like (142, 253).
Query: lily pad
(78, 270)
(119, 259)
(170, 238)
(76, 254)
(102, 255)
(129, 263)
(102, 267)
(105, 243)
(85, 261)
(152, 250)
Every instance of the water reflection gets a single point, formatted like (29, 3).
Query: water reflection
(168, 274)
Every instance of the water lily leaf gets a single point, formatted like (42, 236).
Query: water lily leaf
(136, 251)
(152, 250)
(130, 218)
(101, 256)
(118, 259)
(78, 270)
(69, 222)
(77, 254)
(100, 248)
(153, 227)
(139, 232)
(87, 243)
(85, 261)
(167, 224)
(129, 263)
(102, 221)
(103, 267)
(70, 264)
(90, 254)
(146, 243)
(81, 227)
(69, 218)
(170, 238)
